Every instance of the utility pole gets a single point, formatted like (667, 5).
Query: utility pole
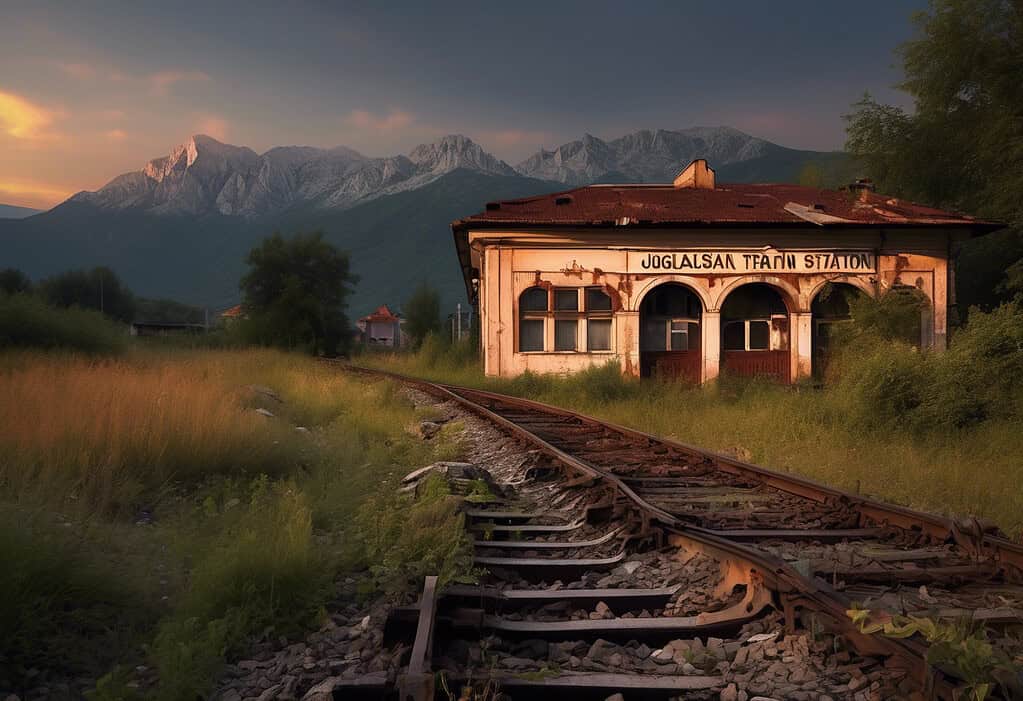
(459, 322)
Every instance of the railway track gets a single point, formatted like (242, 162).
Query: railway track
(616, 561)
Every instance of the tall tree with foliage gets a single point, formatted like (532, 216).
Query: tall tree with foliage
(962, 146)
(99, 289)
(422, 314)
(296, 293)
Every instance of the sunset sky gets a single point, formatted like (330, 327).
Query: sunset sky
(91, 90)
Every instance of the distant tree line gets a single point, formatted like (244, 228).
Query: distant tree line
(99, 289)
(295, 296)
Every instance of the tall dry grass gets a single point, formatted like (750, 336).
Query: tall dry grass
(104, 434)
(252, 520)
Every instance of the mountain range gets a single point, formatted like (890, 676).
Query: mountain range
(180, 226)
(10, 211)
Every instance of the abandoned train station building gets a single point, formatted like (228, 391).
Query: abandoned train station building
(690, 279)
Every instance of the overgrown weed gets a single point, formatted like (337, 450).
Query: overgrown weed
(245, 522)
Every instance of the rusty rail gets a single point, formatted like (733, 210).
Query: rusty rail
(795, 591)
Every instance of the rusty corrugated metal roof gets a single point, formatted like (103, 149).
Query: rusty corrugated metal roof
(725, 204)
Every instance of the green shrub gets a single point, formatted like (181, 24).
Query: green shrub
(887, 383)
(403, 539)
(53, 597)
(260, 571)
(27, 322)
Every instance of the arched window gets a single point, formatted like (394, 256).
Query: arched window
(572, 311)
(533, 306)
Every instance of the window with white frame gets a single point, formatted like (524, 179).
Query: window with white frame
(581, 316)
(533, 305)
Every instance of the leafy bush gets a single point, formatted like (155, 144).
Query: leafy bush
(28, 322)
(887, 383)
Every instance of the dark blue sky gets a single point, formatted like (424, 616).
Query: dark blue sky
(106, 86)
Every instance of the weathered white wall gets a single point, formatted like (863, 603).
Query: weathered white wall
(511, 262)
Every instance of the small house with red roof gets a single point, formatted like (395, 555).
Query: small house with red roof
(381, 328)
(693, 278)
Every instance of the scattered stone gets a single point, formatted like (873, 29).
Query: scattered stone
(428, 429)
(264, 412)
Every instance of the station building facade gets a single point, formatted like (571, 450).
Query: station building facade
(690, 279)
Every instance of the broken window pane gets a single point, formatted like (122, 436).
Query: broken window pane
(531, 335)
(597, 300)
(759, 335)
(598, 335)
(735, 336)
(566, 300)
(564, 335)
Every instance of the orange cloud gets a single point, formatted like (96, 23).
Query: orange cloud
(26, 193)
(24, 120)
(160, 83)
(395, 119)
(213, 125)
(116, 134)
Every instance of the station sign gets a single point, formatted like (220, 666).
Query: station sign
(716, 262)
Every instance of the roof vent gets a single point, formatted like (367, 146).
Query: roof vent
(493, 206)
(696, 175)
(564, 199)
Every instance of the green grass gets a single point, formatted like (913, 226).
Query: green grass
(855, 435)
(252, 521)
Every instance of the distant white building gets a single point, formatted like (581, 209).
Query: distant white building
(382, 328)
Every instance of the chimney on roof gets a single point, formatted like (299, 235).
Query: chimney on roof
(697, 174)
(861, 187)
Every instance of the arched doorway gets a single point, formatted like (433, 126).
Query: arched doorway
(830, 310)
(755, 333)
(670, 341)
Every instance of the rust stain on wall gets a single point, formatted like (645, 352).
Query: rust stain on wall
(625, 285)
(616, 298)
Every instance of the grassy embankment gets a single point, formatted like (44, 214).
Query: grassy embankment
(148, 515)
(941, 433)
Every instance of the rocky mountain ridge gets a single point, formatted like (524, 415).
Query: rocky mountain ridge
(206, 177)
(643, 156)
